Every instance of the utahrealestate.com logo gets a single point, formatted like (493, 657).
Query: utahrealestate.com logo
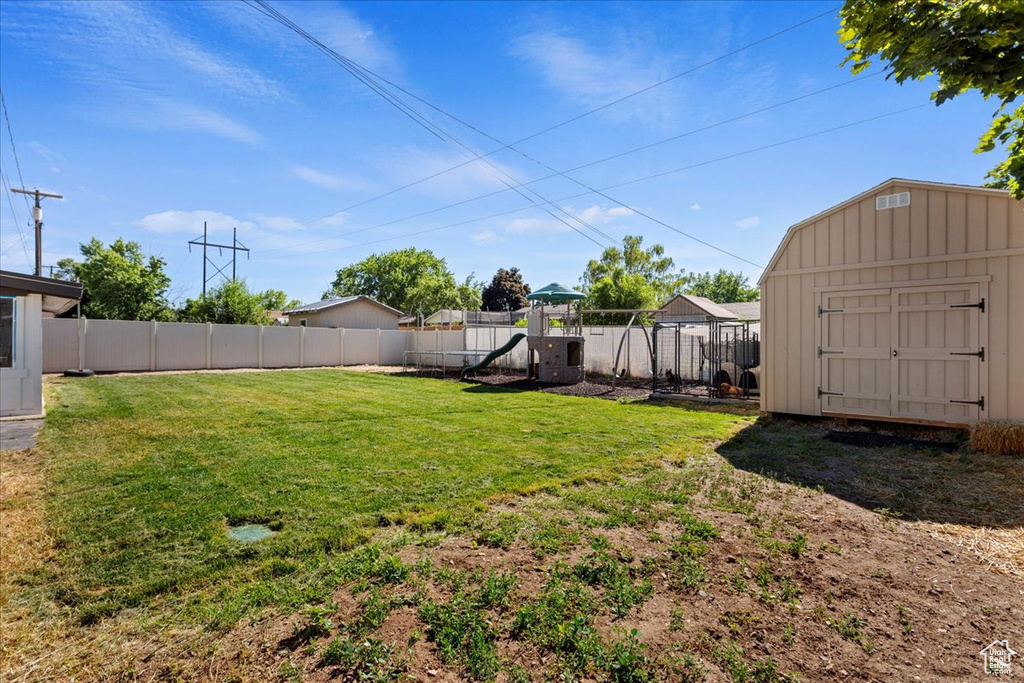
(997, 658)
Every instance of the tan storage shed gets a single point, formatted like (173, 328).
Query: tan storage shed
(351, 312)
(903, 303)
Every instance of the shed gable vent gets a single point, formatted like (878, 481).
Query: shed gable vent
(892, 201)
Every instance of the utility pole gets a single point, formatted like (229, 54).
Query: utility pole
(235, 247)
(37, 214)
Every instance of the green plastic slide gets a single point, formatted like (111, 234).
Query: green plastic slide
(496, 353)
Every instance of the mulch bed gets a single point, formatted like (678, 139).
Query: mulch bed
(595, 387)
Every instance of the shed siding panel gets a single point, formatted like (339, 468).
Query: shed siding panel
(977, 219)
(938, 222)
(820, 231)
(883, 235)
(997, 309)
(919, 237)
(808, 316)
(1015, 337)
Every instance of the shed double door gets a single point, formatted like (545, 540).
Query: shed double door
(912, 353)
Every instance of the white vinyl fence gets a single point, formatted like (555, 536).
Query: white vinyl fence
(134, 346)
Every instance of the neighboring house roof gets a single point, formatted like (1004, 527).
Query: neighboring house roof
(904, 182)
(744, 310)
(706, 306)
(58, 295)
(443, 316)
(319, 306)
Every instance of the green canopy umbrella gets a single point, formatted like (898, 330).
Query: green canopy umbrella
(555, 293)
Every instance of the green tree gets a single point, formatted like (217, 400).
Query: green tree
(231, 303)
(723, 287)
(969, 45)
(119, 282)
(410, 280)
(620, 289)
(276, 300)
(650, 264)
(507, 291)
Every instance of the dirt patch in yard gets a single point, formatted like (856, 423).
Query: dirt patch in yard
(865, 598)
(781, 556)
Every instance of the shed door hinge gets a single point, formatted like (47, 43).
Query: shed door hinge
(828, 393)
(828, 310)
(822, 352)
(980, 402)
(980, 304)
(979, 354)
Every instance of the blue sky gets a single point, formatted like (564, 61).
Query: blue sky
(153, 117)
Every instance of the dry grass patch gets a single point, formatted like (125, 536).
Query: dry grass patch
(1001, 550)
(1002, 437)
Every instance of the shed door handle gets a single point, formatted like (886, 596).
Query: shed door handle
(894, 353)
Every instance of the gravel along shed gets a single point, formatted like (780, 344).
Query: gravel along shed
(904, 303)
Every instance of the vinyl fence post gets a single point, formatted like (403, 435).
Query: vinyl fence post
(302, 346)
(152, 345)
(341, 348)
(378, 346)
(259, 347)
(83, 329)
(209, 345)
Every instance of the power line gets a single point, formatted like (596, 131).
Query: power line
(17, 165)
(575, 118)
(630, 182)
(5, 187)
(372, 81)
(589, 163)
(366, 76)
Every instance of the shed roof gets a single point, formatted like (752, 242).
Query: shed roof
(58, 295)
(319, 306)
(705, 305)
(744, 310)
(922, 184)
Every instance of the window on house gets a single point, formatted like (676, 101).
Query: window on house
(7, 311)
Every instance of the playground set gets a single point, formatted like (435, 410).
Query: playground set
(705, 356)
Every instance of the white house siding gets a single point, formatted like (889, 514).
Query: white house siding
(21, 388)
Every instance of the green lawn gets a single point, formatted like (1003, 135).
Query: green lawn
(145, 473)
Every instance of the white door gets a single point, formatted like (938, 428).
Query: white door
(912, 352)
(937, 354)
(856, 328)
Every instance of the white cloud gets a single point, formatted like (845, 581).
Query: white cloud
(593, 75)
(520, 226)
(54, 159)
(327, 181)
(168, 114)
(465, 179)
(595, 215)
(279, 223)
(191, 222)
(486, 237)
(695, 207)
(130, 41)
(748, 222)
(337, 27)
(335, 219)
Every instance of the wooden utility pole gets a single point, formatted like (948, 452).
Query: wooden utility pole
(37, 215)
